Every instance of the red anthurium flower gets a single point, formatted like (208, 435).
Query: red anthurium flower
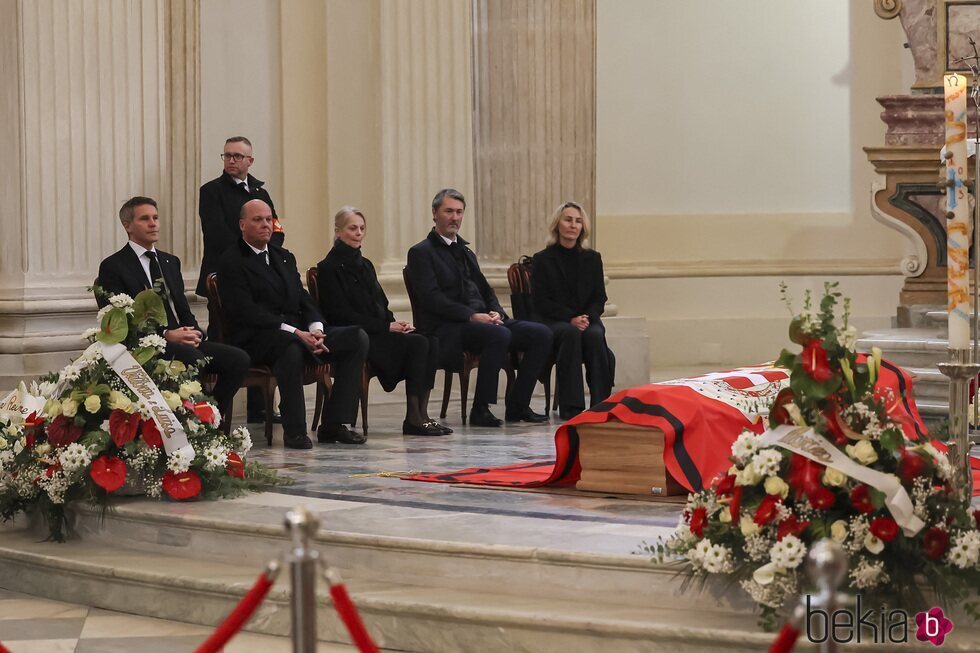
(182, 486)
(204, 412)
(150, 433)
(884, 528)
(52, 469)
(188, 404)
(123, 426)
(698, 519)
(235, 466)
(934, 543)
(822, 498)
(976, 518)
(725, 485)
(62, 432)
(804, 474)
(33, 420)
(790, 526)
(861, 499)
(108, 472)
(735, 505)
(767, 510)
(911, 466)
(778, 412)
(814, 360)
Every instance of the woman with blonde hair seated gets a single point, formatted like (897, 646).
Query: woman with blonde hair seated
(350, 294)
(568, 294)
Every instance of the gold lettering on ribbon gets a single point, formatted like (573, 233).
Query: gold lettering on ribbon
(800, 438)
(139, 381)
(165, 420)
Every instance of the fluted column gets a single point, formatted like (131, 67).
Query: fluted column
(534, 119)
(89, 94)
(426, 124)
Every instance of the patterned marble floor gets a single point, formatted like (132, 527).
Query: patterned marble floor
(30, 624)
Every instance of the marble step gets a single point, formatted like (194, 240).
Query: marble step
(403, 617)
(929, 384)
(920, 348)
(531, 571)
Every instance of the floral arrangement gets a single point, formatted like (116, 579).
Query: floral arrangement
(755, 525)
(95, 435)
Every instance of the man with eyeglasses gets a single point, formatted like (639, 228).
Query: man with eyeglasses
(221, 202)
(140, 265)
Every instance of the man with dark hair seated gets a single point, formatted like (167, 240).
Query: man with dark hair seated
(274, 319)
(140, 265)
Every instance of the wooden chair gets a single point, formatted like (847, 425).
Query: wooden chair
(471, 361)
(261, 376)
(313, 285)
(519, 279)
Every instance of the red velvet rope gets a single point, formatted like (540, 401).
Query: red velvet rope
(785, 640)
(347, 612)
(3, 649)
(234, 622)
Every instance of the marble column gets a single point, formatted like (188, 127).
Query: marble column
(534, 120)
(94, 109)
(426, 125)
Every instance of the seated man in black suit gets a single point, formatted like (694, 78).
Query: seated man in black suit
(457, 305)
(268, 310)
(138, 266)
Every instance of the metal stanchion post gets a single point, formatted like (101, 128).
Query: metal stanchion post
(302, 525)
(960, 371)
(826, 566)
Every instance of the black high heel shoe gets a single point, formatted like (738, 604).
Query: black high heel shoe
(426, 429)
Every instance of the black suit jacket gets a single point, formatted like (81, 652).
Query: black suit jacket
(438, 285)
(255, 302)
(123, 273)
(350, 293)
(554, 298)
(221, 201)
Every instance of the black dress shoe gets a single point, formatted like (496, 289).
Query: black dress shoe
(258, 417)
(298, 442)
(428, 428)
(442, 427)
(481, 416)
(339, 433)
(524, 415)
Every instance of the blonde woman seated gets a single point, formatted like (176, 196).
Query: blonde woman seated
(350, 294)
(568, 294)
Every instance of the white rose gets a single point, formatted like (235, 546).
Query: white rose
(765, 574)
(725, 516)
(748, 476)
(52, 408)
(172, 399)
(189, 388)
(748, 526)
(873, 544)
(119, 401)
(838, 531)
(93, 403)
(775, 485)
(863, 452)
(3, 444)
(69, 407)
(834, 477)
(43, 449)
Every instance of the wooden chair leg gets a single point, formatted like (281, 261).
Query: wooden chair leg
(464, 387)
(270, 400)
(226, 423)
(547, 393)
(365, 388)
(447, 390)
(318, 406)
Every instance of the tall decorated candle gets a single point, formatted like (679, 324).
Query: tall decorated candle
(958, 214)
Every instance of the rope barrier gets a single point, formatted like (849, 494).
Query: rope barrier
(348, 613)
(242, 612)
(790, 632)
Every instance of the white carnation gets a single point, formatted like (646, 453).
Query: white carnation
(154, 341)
(121, 301)
(179, 461)
(788, 552)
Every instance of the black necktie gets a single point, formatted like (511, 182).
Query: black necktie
(156, 274)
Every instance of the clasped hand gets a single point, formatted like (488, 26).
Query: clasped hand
(313, 341)
(185, 335)
(580, 322)
(401, 327)
(493, 317)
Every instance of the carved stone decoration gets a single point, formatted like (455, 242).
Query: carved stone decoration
(888, 9)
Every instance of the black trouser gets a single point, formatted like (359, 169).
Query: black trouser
(254, 398)
(493, 342)
(348, 347)
(573, 348)
(410, 356)
(230, 364)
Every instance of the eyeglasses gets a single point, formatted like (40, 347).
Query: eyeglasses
(234, 156)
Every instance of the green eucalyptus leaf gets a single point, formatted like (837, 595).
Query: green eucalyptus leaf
(115, 327)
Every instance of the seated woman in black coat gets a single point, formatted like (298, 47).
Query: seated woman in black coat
(351, 295)
(568, 294)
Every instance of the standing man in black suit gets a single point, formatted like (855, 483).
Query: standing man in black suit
(277, 322)
(140, 265)
(221, 202)
(457, 304)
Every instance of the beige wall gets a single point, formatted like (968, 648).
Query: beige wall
(729, 157)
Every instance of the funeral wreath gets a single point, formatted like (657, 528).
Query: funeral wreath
(843, 459)
(118, 416)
